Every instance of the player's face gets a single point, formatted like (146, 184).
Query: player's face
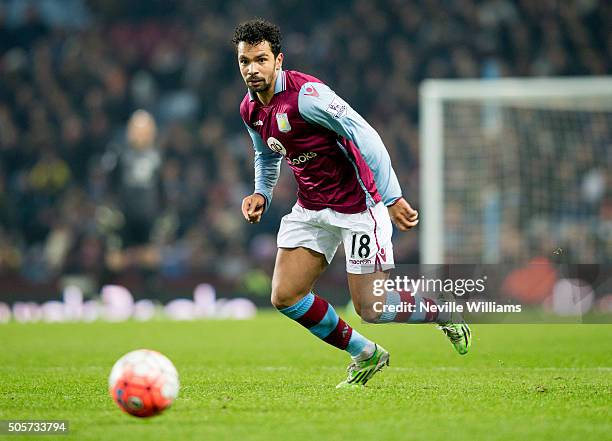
(258, 65)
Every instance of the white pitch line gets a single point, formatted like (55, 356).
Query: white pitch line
(455, 368)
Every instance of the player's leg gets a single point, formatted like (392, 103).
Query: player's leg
(305, 249)
(369, 251)
(295, 273)
(416, 308)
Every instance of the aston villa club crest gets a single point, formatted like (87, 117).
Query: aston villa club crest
(283, 122)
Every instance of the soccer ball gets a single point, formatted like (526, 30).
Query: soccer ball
(143, 383)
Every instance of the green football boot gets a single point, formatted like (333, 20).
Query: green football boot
(459, 335)
(360, 372)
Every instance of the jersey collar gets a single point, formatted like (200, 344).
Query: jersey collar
(279, 86)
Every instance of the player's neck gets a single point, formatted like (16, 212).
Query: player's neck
(266, 96)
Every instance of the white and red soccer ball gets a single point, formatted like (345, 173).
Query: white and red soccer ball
(143, 383)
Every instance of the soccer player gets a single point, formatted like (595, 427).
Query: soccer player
(347, 193)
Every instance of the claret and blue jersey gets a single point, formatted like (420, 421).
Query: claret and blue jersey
(338, 159)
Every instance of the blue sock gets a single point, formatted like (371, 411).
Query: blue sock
(320, 318)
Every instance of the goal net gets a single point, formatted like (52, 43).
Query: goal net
(514, 169)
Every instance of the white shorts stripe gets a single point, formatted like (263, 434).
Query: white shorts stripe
(377, 260)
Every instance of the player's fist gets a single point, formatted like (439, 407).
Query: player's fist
(253, 207)
(403, 215)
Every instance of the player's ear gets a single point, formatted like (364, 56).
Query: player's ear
(279, 61)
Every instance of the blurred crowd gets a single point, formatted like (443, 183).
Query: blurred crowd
(121, 145)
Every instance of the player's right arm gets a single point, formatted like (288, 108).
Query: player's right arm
(267, 169)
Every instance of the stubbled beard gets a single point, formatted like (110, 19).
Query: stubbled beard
(262, 88)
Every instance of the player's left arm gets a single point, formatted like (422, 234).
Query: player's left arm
(318, 104)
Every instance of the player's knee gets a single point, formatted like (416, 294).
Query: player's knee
(284, 296)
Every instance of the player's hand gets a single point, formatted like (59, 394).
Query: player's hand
(403, 215)
(253, 207)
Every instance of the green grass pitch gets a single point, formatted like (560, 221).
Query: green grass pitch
(269, 379)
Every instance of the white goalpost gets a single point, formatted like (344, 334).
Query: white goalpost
(512, 169)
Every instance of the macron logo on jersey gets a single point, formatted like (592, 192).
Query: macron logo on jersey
(311, 91)
(258, 123)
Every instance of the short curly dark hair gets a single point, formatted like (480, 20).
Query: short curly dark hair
(255, 31)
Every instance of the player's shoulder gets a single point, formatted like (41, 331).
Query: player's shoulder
(296, 80)
(246, 107)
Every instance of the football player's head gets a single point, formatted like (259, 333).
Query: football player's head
(258, 46)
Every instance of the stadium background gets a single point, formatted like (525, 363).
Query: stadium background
(73, 72)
